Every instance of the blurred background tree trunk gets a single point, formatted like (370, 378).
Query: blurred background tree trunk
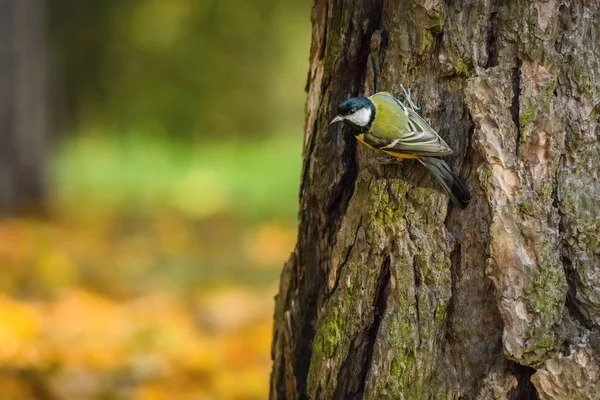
(23, 104)
(391, 293)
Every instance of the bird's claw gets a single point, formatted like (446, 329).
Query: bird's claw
(386, 160)
(406, 94)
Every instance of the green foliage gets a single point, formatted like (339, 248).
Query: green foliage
(182, 66)
(252, 180)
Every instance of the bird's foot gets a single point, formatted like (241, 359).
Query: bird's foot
(406, 94)
(386, 160)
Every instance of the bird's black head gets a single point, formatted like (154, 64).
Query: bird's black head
(352, 105)
(356, 111)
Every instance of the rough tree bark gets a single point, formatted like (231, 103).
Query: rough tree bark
(23, 112)
(391, 293)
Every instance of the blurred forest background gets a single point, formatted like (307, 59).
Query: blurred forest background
(149, 168)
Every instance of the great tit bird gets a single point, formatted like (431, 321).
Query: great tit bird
(383, 123)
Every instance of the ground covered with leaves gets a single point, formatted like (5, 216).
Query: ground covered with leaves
(142, 283)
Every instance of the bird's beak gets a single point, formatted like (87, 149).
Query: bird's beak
(337, 118)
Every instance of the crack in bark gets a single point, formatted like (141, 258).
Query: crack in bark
(325, 29)
(525, 390)
(341, 197)
(570, 274)
(455, 254)
(380, 306)
(303, 327)
(515, 105)
(356, 365)
(492, 56)
(346, 257)
(417, 278)
(571, 301)
(469, 152)
(455, 261)
(309, 151)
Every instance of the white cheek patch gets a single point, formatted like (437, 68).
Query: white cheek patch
(361, 117)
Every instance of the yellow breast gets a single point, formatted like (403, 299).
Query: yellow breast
(361, 138)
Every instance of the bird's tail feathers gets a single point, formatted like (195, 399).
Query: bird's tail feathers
(458, 191)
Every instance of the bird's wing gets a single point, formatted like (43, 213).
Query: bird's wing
(403, 131)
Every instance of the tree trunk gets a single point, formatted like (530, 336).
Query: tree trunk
(23, 118)
(392, 293)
